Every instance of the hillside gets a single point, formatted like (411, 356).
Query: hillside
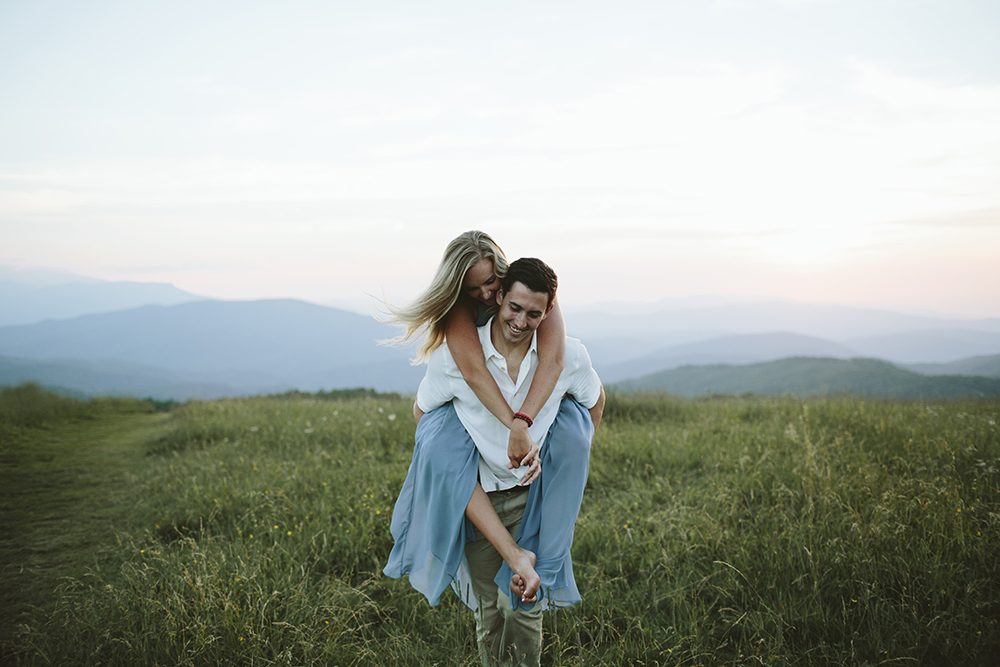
(728, 532)
(743, 349)
(806, 376)
(120, 378)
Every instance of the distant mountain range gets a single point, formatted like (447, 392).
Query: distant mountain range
(119, 378)
(625, 344)
(203, 348)
(836, 323)
(807, 376)
(726, 350)
(242, 345)
(988, 366)
(29, 296)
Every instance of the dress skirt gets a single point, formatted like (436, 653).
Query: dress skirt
(428, 521)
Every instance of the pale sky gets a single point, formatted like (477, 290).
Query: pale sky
(834, 151)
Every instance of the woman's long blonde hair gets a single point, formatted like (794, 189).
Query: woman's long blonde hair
(426, 314)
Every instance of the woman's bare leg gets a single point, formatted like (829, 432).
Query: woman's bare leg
(480, 511)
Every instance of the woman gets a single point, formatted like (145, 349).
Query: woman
(441, 483)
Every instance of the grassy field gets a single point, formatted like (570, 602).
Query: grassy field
(722, 531)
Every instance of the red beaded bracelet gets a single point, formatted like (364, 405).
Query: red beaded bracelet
(521, 415)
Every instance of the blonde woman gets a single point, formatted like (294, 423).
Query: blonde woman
(441, 488)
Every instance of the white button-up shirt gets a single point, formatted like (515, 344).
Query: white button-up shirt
(443, 382)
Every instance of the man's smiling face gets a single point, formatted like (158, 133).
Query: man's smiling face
(521, 311)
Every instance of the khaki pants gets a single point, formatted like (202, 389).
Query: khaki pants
(505, 637)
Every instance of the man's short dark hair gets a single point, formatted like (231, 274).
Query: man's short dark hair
(534, 274)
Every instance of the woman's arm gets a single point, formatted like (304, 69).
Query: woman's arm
(462, 339)
(463, 343)
(551, 351)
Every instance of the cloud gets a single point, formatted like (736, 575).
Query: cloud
(924, 96)
(419, 113)
(984, 218)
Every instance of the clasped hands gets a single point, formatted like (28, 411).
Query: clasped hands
(522, 451)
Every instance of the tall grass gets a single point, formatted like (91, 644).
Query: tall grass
(30, 406)
(724, 531)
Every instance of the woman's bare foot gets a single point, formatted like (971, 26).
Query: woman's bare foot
(525, 582)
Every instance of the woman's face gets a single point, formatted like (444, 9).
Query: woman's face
(481, 283)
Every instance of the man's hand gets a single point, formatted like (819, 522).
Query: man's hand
(520, 447)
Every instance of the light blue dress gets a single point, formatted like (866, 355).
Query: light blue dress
(429, 524)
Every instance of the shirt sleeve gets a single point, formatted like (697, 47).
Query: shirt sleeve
(437, 387)
(585, 385)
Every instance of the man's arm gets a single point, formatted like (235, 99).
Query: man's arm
(597, 411)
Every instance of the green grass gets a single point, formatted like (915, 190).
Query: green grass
(68, 480)
(723, 531)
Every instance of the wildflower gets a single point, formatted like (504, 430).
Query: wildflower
(368, 423)
(254, 429)
(392, 417)
(308, 430)
(288, 533)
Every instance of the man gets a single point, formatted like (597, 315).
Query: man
(506, 633)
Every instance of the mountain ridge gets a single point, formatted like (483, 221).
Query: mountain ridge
(806, 376)
(30, 296)
(212, 348)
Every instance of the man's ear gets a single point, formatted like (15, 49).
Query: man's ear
(551, 306)
(499, 296)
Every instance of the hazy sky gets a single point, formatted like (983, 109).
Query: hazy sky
(828, 151)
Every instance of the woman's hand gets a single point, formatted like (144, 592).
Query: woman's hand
(521, 449)
(534, 470)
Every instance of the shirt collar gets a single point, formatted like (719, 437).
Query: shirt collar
(490, 351)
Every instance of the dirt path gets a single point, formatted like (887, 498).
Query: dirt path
(64, 492)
